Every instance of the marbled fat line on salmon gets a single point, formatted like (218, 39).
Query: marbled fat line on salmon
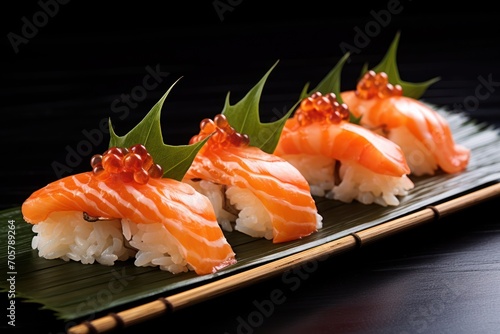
(186, 214)
(280, 187)
(344, 142)
(422, 121)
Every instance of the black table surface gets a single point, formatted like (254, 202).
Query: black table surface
(67, 67)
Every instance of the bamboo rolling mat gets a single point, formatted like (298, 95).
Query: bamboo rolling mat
(197, 295)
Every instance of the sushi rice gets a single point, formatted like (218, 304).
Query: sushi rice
(351, 182)
(68, 236)
(238, 209)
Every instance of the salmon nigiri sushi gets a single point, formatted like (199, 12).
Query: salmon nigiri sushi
(253, 192)
(342, 160)
(423, 134)
(122, 209)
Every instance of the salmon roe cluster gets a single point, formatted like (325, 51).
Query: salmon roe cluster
(223, 134)
(377, 85)
(129, 164)
(321, 108)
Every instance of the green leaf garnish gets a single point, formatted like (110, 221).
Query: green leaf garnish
(175, 160)
(389, 66)
(331, 84)
(244, 117)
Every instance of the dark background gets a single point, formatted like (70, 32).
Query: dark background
(65, 78)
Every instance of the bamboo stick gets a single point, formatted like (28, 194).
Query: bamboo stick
(199, 294)
(384, 230)
(428, 214)
(193, 296)
(468, 200)
(210, 290)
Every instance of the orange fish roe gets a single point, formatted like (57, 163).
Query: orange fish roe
(321, 108)
(377, 84)
(223, 134)
(130, 164)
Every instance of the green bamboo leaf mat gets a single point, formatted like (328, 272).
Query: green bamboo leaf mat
(73, 290)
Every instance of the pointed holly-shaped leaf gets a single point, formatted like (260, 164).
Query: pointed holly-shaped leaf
(331, 84)
(389, 66)
(244, 117)
(175, 160)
